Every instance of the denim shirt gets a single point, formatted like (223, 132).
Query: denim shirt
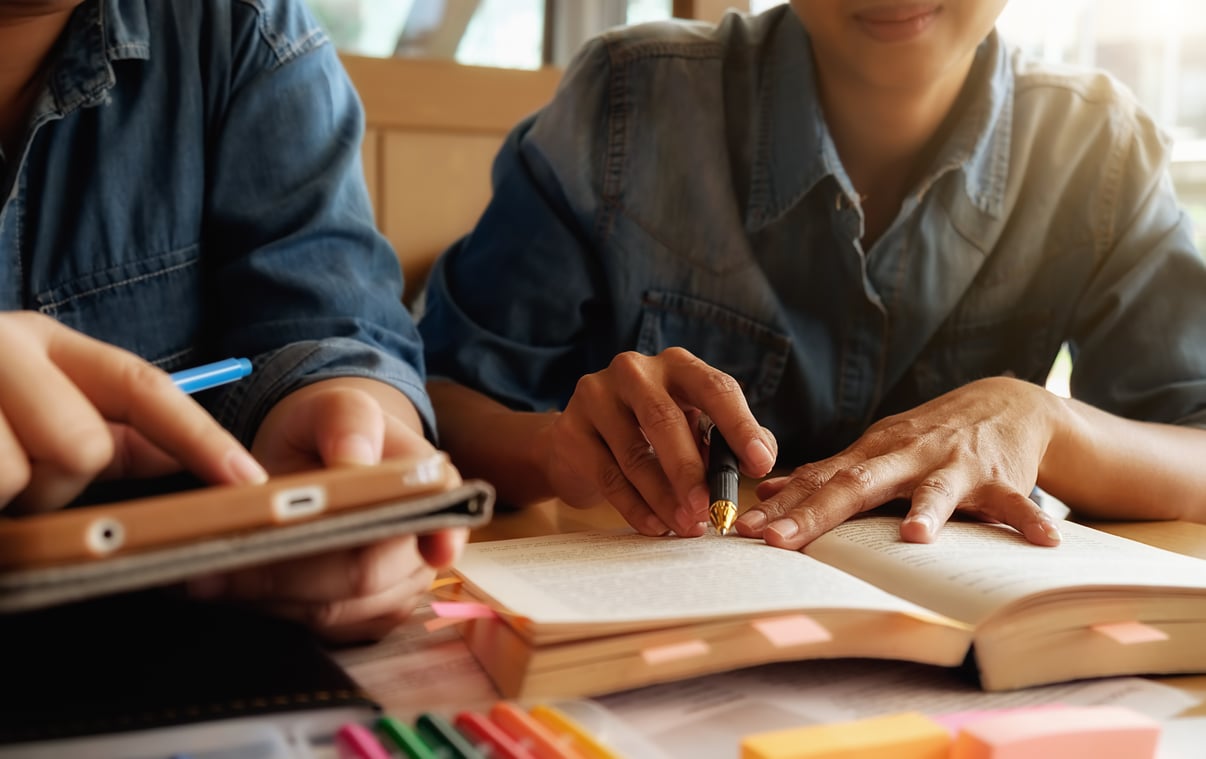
(189, 188)
(682, 189)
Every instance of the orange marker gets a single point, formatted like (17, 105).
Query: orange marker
(490, 736)
(531, 734)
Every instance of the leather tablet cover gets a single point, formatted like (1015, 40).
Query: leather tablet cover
(467, 505)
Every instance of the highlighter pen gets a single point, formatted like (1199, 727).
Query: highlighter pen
(723, 478)
(494, 741)
(211, 375)
(405, 738)
(579, 737)
(355, 741)
(531, 733)
(448, 742)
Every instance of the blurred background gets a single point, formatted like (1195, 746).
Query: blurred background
(1158, 48)
(422, 124)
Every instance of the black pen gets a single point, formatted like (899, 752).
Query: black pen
(722, 480)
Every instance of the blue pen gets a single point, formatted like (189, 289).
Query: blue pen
(211, 375)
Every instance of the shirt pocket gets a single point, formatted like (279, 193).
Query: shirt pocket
(150, 306)
(752, 353)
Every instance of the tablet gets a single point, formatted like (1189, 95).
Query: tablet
(80, 552)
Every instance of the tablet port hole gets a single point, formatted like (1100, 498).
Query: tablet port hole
(296, 503)
(105, 536)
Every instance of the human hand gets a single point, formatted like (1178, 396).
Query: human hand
(353, 594)
(976, 449)
(628, 436)
(74, 409)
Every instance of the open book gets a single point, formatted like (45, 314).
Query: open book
(595, 612)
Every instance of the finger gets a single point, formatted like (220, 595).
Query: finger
(402, 440)
(348, 426)
(851, 489)
(934, 499)
(769, 487)
(63, 438)
(135, 457)
(787, 492)
(362, 618)
(593, 461)
(641, 466)
(441, 549)
(14, 464)
(1017, 510)
(720, 396)
(659, 449)
(126, 389)
(352, 573)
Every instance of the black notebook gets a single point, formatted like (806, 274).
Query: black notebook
(156, 659)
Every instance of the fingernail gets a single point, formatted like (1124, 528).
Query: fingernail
(759, 456)
(697, 500)
(784, 528)
(354, 449)
(923, 521)
(245, 468)
(753, 519)
(1049, 528)
(207, 587)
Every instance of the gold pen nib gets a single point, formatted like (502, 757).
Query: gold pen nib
(722, 513)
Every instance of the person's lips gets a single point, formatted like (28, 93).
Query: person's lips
(897, 23)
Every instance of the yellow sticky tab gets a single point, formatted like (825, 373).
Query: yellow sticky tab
(910, 735)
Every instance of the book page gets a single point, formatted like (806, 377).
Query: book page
(610, 577)
(973, 568)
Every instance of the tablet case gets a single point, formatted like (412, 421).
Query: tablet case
(467, 505)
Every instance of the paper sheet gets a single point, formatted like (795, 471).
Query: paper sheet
(706, 717)
(414, 670)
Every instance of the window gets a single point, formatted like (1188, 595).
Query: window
(504, 33)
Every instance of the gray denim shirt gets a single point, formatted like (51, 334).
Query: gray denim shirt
(682, 189)
(190, 189)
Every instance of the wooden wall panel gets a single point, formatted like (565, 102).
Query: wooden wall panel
(433, 128)
(438, 185)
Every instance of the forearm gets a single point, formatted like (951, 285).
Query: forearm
(1105, 466)
(490, 441)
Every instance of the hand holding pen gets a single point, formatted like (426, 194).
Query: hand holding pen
(73, 409)
(627, 436)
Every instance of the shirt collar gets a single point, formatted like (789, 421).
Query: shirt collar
(99, 33)
(795, 150)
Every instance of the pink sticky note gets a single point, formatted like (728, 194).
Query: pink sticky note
(792, 630)
(1102, 732)
(462, 610)
(1128, 633)
(954, 721)
(674, 651)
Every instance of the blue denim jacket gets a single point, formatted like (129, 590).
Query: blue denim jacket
(190, 188)
(682, 189)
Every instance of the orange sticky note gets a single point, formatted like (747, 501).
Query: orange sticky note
(792, 630)
(674, 651)
(1102, 732)
(1128, 633)
(910, 735)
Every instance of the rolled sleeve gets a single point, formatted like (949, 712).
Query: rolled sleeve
(307, 287)
(507, 306)
(1139, 342)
